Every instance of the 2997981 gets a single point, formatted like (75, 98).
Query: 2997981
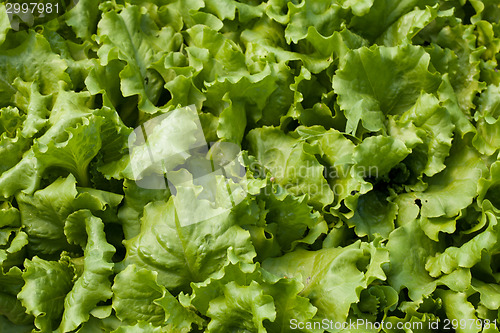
(32, 7)
(24, 14)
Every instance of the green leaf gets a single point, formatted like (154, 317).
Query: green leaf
(488, 187)
(47, 213)
(11, 149)
(43, 215)
(16, 141)
(337, 151)
(289, 305)
(150, 302)
(83, 18)
(4, 24)
(46, 286)
(285, 293)
(9, 215)
(76, 55)
(132, 36)
(432, 226)
(332, 277)
(456, 54)
(381, 80)
(377, 155)
(487, 136)
(409, 248)
(10, 121)
(289, 161)
(134, 292)
(93, 285)
(374, 215)
(488, 38)
(114, 134)
(458, 308)
(11, 308)
(44, 66)
(241, 308)
(136, 198)
(450, 101)
(100, 80)
(8, 327)
(485, 9)
(74, 154)
(218, 58)
(407, 26)
(35, 105)
(61, 146)
(185, 253)
(455, 187)
(291, 216)
(266, 41)
(232, 121)
(325, 16)
(434, 127)
(12, 281)
(235, 271)
(382, 15)
(95, 325)
(466, 255)
(489, 293)
(178, 318)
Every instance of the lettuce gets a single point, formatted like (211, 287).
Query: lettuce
(250, 166)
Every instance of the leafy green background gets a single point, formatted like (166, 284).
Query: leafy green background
(370, 134)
